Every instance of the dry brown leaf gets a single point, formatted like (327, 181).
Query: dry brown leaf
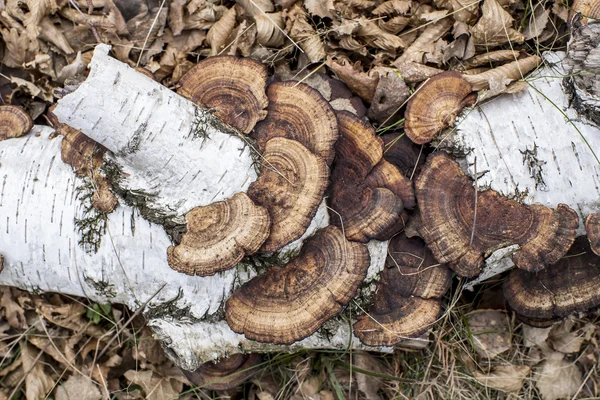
(491, 332)
(176, 14)
(13, 312)
(425, 43)
(557, 378)
(507, 378)
(495, 27)
(52, 34)
(37, 382)
(376, 37)
(269, 29)
(390, 95)
(486, 59)
(69, 316)
(465, 11)
(533, 336)
(220, 31)
(507, 72)
(256, 7)
(38, 10)
(560, 10)
(64, 351)
(204, 18)
(155, 386)
(76, 67)
(413, 72)
(78, 387)
(368, 385)
(393, 7)
(304, 34)
(394, 25)
(320, 8)
(565, 339)
(148, 349)
(537, 22)
(361, 83)
(310, 386)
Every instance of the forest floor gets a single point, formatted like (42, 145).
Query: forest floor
(59, 347)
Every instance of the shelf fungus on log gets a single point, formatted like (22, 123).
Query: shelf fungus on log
(408, 299)
(571, 285)
(435, 106)
(461, 230)
(367, 194)
(402, 152)
(233, 87)
(225, 374)
(287, 304)
(592, 228)
(297, 111)
(14, 122)
(219, 235)
(290, 186)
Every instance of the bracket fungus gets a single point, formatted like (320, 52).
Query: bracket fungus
(592, 228)
(287, 304)
(14, 122)
(224, 374)
(571, 285)
(436, 104)
(461, 230)
(297, 111)
(233, 87)
(367, 193)
(219, 235)
(408, 298)
(290, 186)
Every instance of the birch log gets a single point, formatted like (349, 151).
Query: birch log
(45, 209)
(534, 147)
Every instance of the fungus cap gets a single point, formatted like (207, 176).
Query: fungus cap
(592, 228)
(219, 235)
(14, 122)
(436, 105)
(297, 111)
(224, 374)
(407, 301)
(570, 285)
(291, 187)
(233, 87)
(287, 304)
(446, 198)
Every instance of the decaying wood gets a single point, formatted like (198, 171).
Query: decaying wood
(532, 146)
(166, 156)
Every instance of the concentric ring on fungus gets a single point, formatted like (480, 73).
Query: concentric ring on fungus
(408, 299)
(287, 304)
(219, 235)
(290, 186)
(367, 193)
(571, 285)
(446, 198)
(14, 122)
(436, 105)
(233, 87)
(592, 228)
(297, 111)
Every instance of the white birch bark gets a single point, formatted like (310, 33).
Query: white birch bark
(532, 146)
(45, 212)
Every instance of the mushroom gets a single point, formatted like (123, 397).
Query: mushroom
(592, 228)
(449, 211)
(233, 87)
(289, 303)
(408, 299)
(14, 122)
(290, 186)
(570, 285)
(219, 235)
(402, 153)
(224, 374)
(297, 111)
(367, 193)
(435, 106)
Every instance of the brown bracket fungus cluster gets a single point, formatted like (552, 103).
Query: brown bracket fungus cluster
(225, 374)
(592, 228)
(436, 105)
(571, 285)
(14, 122)
(461, 226)
(290, 186)
(233, 87)
(367, 194)
(297, 111)
(287, 304)
(219, 235)
(408, 298)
